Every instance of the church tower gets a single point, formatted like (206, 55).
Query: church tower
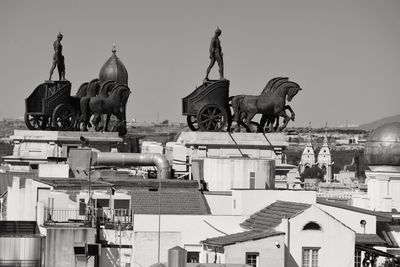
(308, 157)
(325, 160)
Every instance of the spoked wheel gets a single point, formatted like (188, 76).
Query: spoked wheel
(212, 118)
(192, 122)
(36, 122)
(64, 117)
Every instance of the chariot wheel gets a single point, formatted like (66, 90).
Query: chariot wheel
(36, 122)
(192, 122)
(64, 117)
(212, 118)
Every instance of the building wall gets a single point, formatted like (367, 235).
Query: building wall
(223, 174)
(352, 219)
(60, 246)
(383, 188)
(145, 252)
(21, 204)
(269, 253)
(335, 241)
(193, 229)
(13, 248)
(219, 204)
(247, 202)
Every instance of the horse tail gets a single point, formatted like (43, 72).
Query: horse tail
(82, 90)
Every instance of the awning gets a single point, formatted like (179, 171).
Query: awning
(374, 251)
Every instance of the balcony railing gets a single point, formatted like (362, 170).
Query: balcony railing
(86, 217)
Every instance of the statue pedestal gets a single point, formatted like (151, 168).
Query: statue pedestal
(224, 144)
(34, 147)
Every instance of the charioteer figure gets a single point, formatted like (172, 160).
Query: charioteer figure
(58, 59)
(216, 55)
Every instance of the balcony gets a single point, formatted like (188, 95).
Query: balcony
(78, 217)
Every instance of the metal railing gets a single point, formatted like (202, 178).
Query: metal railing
(76, 216)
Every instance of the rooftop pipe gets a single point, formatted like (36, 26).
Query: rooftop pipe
(133, 159)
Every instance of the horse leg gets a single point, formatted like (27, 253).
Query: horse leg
(250, 116)
(286, 119)
(276, 124)
(292, 116)
(105, 128)
(262, 124)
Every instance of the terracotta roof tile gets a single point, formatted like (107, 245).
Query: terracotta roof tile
(240, 237)
(272, 215)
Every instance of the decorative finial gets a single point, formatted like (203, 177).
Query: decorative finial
(114, 50)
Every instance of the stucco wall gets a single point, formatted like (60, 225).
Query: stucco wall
(335, 241)
(145, 252)
(352, 219)
(60, 246)
(13, 248)
(269, 253)
(219, 204)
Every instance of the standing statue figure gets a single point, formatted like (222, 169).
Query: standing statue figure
(58, 58)
(216, 55)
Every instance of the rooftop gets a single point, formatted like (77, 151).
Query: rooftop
(272, 215)
(369, 240)
(223, 139)
(226, 240)
(381, 216)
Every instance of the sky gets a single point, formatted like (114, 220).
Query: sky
(345, 54)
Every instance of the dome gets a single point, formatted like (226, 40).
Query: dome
(383, 146)
(113, 70)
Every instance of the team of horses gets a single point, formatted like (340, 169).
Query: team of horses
(271, 104)
(98, 100)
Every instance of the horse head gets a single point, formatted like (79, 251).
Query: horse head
(93, 88)
(106, 88)
(292, 92)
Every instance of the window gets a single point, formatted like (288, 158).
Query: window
(103, 203)
(312, 226)
(121, 207)
(121, 204)
(357, 258)
(252, 258)
(252, 180)
(310, 257)
(193, 256)
(82, 207)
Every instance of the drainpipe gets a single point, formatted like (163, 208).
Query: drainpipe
(134, 159)
(286, 229)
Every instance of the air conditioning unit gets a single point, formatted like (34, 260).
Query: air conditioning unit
(93, 249)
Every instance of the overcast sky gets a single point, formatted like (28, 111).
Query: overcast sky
(345, 54)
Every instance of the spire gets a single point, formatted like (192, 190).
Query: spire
(114, 50)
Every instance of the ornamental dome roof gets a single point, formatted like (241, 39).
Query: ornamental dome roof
(114, 70)
(383, 146)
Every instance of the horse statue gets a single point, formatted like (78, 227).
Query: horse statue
(271, 104)
(272, 86)
(85, 92)
(112, 103)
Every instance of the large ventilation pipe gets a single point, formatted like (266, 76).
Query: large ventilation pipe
(134, 159)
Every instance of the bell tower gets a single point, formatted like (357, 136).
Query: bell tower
(308, 157)
(325, 160)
